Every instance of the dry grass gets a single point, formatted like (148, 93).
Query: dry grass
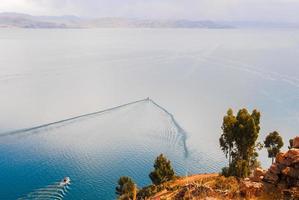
(203, 186)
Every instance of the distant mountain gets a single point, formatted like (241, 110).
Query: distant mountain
(260, 24)
(17, 20)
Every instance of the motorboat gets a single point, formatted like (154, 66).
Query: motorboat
(65, 181)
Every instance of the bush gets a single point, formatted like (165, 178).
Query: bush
(163, 171)
(225, 172)
(126, 188)
(149, 191)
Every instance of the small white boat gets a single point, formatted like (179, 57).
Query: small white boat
(65, 181)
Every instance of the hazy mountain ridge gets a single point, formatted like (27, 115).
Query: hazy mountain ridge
(17, 20)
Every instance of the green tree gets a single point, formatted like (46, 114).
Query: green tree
(126, 189)
(273, 143)
(291, 143)
(162, 170)
(238, 141)
(227, 138)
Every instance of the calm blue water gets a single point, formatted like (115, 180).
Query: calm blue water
(196, 75)
(94, 150)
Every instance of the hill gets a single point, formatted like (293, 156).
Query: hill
(18, 20)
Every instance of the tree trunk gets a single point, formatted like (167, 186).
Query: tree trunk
(134, 192)
(230, 160)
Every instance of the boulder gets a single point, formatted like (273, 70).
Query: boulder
(274, 169)
(292, 182)
(251, 189)
(271, 177)
(281, 167)
(279, 158)
(285, 170)
(292, 154)
(295, 161)
(258, 175)
(291, 172)
(296, 165)
(291, 157)
(259, 172)
(292, 193)
(296, 142)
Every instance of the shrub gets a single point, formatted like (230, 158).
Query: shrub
(162, 170)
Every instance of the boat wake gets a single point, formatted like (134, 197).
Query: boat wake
(32, 129)
(182, 135)
(55, 191)
(176, 124)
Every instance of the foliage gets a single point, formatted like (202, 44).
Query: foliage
(149, 191)
(238, 141)
(225, 171)
(273, 143)
(162, 170)
(227, 138)
(126, 188)
(291, 143)
(241, 168)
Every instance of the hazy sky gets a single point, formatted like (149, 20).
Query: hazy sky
(262, 10)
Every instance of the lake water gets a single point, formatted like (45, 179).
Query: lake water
(54, 78)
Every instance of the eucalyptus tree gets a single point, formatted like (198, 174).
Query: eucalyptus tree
(238, 141)
(273, 143)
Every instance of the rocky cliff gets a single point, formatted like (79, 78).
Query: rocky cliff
(284, 173)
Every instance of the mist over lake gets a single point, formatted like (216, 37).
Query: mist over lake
(191, 76)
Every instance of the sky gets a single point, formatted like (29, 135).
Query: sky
(249, 10)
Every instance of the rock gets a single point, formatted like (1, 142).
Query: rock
(251, 189)
(296, 165)
(292, 154)
(287, 162)
(257, 179)
(279, 158)
(292, 193)
(295, 160)
(285, 170)
(258, 175)
(259, 172)
(291, 172)
(296, 142)
(290, 157)
(274, 169)
(292, 182)
(280, 167)
(281, 185)
(271, 177)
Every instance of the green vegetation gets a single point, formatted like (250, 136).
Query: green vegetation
(238, 141)
(126, 188)
(149, 191)
(273, 143)
(291, 143)
(163, 170)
